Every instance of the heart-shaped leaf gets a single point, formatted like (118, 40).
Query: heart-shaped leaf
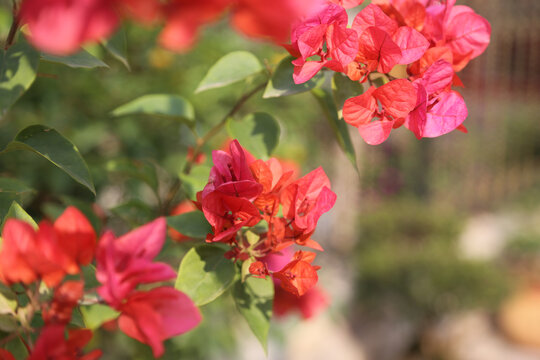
(205, 273)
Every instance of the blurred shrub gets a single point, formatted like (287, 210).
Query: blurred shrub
(407, 259)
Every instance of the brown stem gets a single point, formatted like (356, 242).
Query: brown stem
(201, 142)
(14, 27)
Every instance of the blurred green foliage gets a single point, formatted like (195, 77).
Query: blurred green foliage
(407, 258)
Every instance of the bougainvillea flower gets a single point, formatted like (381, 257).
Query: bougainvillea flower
(52, 344)
(438, 109)
(6, 355)
(397, 99)
(466, 33)
(327, 29)
(459, 28)
(273, 178)
(406, 12)
(260, 19)
(228, 214)
(62, 26)
(184, 18)
(310, 304)
(412, 44)
(270, 19)
(347, 4)
(51, 252)
(306, 199)
(65, 298)
(76, 236)
(182, 208)
(145, 11)
(383, 44)
(373, 16)
(127, 261)
(156, 315)
(298, 276)
(231, 175)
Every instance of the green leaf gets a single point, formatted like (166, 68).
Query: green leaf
(17, 348)
(344, 88)
(254, 298)
(205, 273)
(17, 212)
(12, 190)
(341, 131)
(196, 180)
(116, 45)
(8, 323)
(257, 132)
(282, 84)
(8, 300)
(95, 315)
(158, 104)
(18, 69)
(14, 185)
(143, 170)
(231, 68)
(82, 59)
(54, 147)
(192, 224)
(135, 212)
(6, 199)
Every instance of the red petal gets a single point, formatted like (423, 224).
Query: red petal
(376, 132)
(446, 115)
(413, 45)
(76, 236)
(360, 109)
(372, 15)
(342, 44)
(398, 98)
(376, 44)
(467, 33)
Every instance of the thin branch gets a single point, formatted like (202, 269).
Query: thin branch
(202, 141)
(14, 27)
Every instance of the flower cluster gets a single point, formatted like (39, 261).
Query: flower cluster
(61, 27)
(55, 250)
(258, 209)
(430, 39)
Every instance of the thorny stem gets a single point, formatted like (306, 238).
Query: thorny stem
(202, 141)
(14, 27)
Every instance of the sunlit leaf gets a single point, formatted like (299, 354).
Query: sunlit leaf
(17, 212)
(233, 67)
(18, 69)
(254, 298)
(158, 104)
(205, 273)
(95, 315)
(257, 132)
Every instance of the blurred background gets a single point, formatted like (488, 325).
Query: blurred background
(431, 252)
